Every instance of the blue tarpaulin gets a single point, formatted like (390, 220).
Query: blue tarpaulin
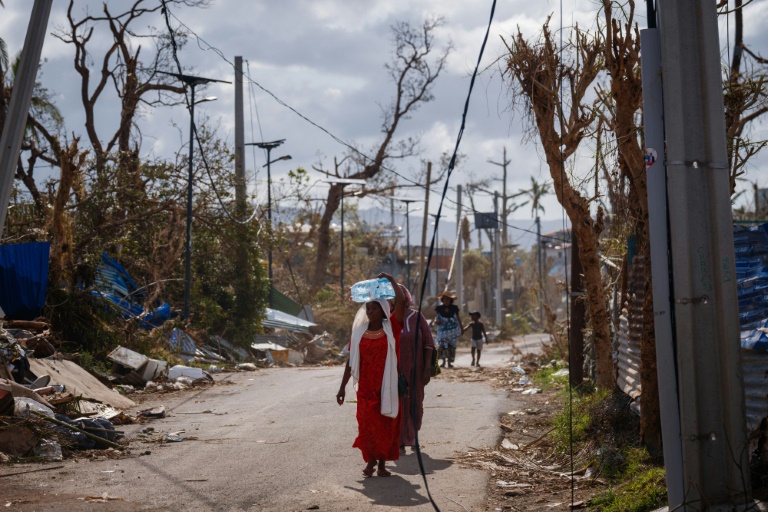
(24, 279)
(113, 283)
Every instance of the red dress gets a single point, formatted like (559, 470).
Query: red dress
(378, 436)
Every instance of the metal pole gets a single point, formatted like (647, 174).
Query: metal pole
(459, 252)
(269, 216)
(422, 257)
(715, 450)
(239, 139)
(541, 270)
(341, 274)
(16, 116)
(653, 120)
(497, 258)
(188, 241)
(408, 245)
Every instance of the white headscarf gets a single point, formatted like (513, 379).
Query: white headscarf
(390, 400)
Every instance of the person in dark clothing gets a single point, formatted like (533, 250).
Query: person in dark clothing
(478, 333)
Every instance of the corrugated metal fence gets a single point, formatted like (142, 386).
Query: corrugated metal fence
(754, 364)
(627, 346)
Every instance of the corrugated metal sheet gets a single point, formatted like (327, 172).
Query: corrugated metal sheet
(755, 369)
(279, 320)
(282, 302)
(630, 332)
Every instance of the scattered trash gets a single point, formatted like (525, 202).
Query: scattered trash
(214, 369)
(173, 437)
(517, 369)
(25, 407)
(524, 381)
(248, 367)
(185, 371)
(561, 373)
(154, 412)
(48, 449)
(104, 498)
(516, 413)
(509, 445)
(531, 391)
(502, 483)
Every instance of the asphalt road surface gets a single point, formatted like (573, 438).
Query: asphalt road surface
(275, 440)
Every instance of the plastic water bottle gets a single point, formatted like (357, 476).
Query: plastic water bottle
(372, 289)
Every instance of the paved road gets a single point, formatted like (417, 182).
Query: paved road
(275, 440)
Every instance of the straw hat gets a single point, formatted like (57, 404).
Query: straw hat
(448, 294)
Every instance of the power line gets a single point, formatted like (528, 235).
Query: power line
(340, 141)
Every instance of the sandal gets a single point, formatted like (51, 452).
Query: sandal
(382, 472)
(368, 472)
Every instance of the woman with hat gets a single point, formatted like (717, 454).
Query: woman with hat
(373, 364)
(449, 327)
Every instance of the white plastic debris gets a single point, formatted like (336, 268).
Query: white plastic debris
(518, 369)
(185, 371)
(531, 391)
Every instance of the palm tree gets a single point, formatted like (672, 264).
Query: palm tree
(535, 193)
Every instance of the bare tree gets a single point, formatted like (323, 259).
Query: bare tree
(414, 69)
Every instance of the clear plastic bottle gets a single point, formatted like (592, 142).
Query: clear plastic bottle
(372, 289)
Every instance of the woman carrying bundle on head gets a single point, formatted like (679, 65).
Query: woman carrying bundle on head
(373, 364)
(449, 327)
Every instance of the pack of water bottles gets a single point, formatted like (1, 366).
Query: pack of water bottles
(751, 249)
(372, 289)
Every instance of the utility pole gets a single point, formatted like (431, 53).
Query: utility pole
(21, 98)
(239, 140)
(653, 121)
(504, 198)
(459, 252)
(541, 271)
(424, 229)
(497, 259)
(715, 451)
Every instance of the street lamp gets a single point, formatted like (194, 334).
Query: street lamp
(343, 182)
(192, 82)
(269, 146)
(408, 201)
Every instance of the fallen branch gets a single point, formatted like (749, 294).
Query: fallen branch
(96, 438)
(31, 471)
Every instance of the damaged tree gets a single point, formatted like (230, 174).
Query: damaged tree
(536, 71)
(414, 72)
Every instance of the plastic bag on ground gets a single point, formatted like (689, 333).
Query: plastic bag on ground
(48, 449)
(24, 407)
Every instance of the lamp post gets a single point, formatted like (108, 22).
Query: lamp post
(408, 201)
(192, 82)
(343, 182)
(437, 249)
(269, 146)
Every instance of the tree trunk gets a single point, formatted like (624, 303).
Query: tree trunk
(324, 236)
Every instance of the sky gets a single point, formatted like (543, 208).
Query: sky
(325, 58)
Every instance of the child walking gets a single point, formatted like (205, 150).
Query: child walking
(478, 332)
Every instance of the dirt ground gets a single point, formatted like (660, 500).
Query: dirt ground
(526, 473)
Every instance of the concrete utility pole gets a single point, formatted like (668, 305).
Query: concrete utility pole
(504, 198)
(459, 252)
(715, 453)
(497, 265)
(239, 139)
(541, 271)
(653, 121)
(21, 98)
(424, 229)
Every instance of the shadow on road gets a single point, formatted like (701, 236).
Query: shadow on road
(409, 464)
(396, 491)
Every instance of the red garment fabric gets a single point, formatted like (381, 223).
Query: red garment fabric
(378, 437)
(424, 348)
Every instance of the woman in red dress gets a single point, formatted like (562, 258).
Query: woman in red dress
(373, 362)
